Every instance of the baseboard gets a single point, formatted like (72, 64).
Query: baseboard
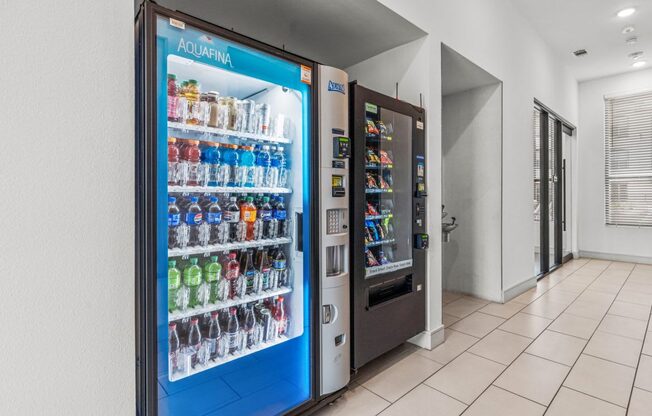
(519, 289)
(615, 257)
(429, 339)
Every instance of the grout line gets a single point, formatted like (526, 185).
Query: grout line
(590, 395)
(638, 363)
(445, 394)
(516, 394)
(605, 359)
(568, 335)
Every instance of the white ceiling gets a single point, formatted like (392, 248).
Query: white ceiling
(459, 74)
(568, 25)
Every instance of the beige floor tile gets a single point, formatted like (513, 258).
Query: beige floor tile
(635, 297)
(534, 378)
(613, 278)
(384, 362)
(569, 402)
(587, 309)
(626, 327)
(557, 347)
(574, 325)
(640, 404)
(637, 287)
(647, 346)
(355, 402)
(503, 310)
(454, 344)
(501, 346)
(448, 297)
(426, 401)
(527, 325)
(402, 377)
(568, 286)
(644, 374)
(477, 324)
(601, 379)
(559, 296)
(449, 320)
(583, 280)
(498, 402)
(621, 350)
(466, 377)
(621, 265)
(630, 310)
(611, 288)
(462, 307)
(528, 296)
(593, 296)
(642, 278)
(545, 308)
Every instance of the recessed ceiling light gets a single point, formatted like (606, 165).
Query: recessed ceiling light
(631, 40)
(626, 12)
(639, 64)
(580, 52)
(628, 29)
(635, 55)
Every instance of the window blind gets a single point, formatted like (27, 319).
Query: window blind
(628, 159)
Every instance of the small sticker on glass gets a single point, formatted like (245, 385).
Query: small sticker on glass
(420, 125)
(306, 74)
(371, 108)
(177, 23)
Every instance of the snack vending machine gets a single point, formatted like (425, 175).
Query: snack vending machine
(229, 224)
(388, 220)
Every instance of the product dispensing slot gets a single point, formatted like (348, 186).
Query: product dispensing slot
(334, 260)
(299, 233)
(389, 291)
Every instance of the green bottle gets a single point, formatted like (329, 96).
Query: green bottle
(212, 275)
(192, 280)
(174, 283)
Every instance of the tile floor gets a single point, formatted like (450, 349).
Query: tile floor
(579, 343)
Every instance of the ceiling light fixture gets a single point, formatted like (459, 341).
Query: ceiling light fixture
(631, 40)
(628, 29)
(626, 12)
(635, 55)
(639, 64)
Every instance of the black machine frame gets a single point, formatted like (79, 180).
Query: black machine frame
(375, 329)
(145, 196)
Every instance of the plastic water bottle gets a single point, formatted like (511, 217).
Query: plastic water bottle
(214, 220)
(250, 327)
(214, 335)
(278, 172)
(280, 215)
(279, 266)
(174, 284)
(265, 214)
(229, 166)
(192, 279)
(210, 158)
(190, 163)
(246, 169)
(173, 348)
(194, 341)
(262, 166)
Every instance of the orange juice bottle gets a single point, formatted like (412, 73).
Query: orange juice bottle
(248, 215)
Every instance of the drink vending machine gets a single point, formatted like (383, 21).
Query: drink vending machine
(241, 223)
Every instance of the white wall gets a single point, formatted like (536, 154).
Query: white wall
(471, 167)
(493, 35)
(595, 237)
(67, 183)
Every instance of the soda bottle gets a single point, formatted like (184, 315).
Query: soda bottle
(174, 219)
(279, 317)
(262, 166)
(232, 274)
(250, 327)
(265, 214)
(214, 219)
(283, 169)
(174, 283)
(194, 219)
(279, 266)
(264, 269)
(232, 218)
(189, 162)
(212, 274)
(229, 166)
(214, 335)
(210, 158)
(246, 170)
(280, 214)
(194, 341)
(173, 347)
(233, 331)
(248, 215)
(173, 100)
(250, 275)
(173, 161)
(192, 280)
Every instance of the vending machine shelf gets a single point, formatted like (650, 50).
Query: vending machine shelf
(230, 357)
(176, 315)
(217, 248)
(380, 242)
(176, 189)
(212, 133)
